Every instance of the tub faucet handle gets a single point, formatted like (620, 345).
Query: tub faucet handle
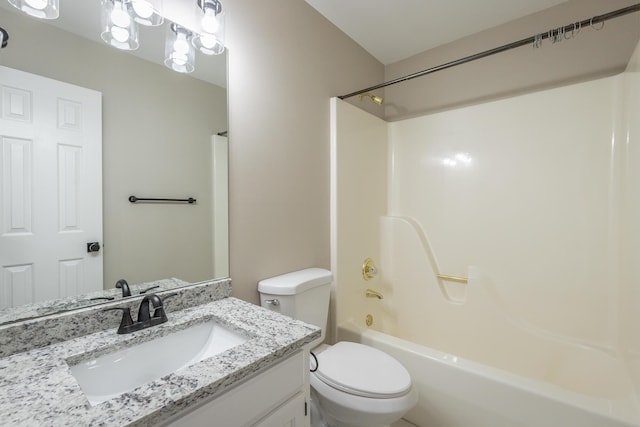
(369, 269)
(373, 294)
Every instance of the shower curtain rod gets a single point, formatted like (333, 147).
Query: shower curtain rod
(556, 32)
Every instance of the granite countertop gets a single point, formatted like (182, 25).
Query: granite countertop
(37, 388)
(44, 308)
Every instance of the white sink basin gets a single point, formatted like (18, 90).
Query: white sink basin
(112, 374)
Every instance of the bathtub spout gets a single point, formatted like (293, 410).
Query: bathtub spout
(373, 294)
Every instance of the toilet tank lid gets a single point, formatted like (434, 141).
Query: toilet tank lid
(295, 282)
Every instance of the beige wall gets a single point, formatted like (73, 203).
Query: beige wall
(285, 63)
(588, 55)
(157, 128)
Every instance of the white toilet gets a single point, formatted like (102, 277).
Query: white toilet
(354, 385)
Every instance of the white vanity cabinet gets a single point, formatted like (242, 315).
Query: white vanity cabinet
(275, 397)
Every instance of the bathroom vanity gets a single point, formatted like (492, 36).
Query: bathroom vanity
(276, 397)
(261, 380)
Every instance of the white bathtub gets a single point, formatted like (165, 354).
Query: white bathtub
(455, 392)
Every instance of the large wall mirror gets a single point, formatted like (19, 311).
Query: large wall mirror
(159, 136)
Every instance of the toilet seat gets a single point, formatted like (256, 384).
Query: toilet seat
(364, 371)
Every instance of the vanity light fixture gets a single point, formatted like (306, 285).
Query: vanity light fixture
(210, 11)
(43, 9)
(119, 29)
(145, 13)
(179, 53)
(120, 19)
(4, 38)
(209, 44)
(211, 40)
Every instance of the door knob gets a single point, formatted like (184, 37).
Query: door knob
(93, 247)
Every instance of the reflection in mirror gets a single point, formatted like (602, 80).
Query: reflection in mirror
(158, 140)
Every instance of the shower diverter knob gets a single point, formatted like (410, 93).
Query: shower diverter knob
(369, 269)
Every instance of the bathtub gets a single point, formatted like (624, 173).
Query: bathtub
(455, 392)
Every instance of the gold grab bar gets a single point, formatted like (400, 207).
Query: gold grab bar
(373, 294)
(453, 278)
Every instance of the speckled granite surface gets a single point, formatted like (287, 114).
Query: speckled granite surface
(43, 331)
(47, 308)
(37, 388)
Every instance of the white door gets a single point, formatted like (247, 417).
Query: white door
(50, 188)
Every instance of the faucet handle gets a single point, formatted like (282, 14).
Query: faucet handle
(159, 309)
(126, 321)
(159, 312)
(148, 289)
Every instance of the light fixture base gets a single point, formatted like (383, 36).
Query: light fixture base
(43, 9)
(4, 38)
(214, 5)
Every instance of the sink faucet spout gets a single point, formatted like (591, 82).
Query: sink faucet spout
(122, 284)
(145, 320)
(144, 315)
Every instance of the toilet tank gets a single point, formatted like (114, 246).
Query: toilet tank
(303, 295)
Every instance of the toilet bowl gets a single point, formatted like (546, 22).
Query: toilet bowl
(358, 385)
(352, 385)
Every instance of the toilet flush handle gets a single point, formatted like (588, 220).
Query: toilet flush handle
(272, 301)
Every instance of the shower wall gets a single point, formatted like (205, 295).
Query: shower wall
(527, 190)
(630, 247)
(359, 153)
(535, 198)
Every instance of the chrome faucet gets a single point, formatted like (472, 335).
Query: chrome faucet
(145, 320)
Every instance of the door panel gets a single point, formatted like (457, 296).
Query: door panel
(51, 188)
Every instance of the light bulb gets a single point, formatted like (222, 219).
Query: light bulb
(179, 55)
(37, 4)
(119, 34)
(179, 58)
(143, 8)
(119, 15)
(209, 21)
(208, 40)
(181, 45)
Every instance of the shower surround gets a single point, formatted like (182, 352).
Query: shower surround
(536, 200)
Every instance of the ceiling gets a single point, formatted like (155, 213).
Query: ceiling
(398, 29)
(82, 17)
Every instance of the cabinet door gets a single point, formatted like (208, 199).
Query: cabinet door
(289, 414)
(252, 400)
